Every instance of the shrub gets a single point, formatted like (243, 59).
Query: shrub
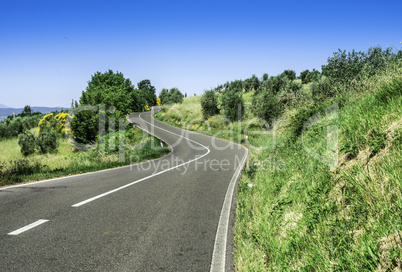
(26, 141)
(303, 114)
(60, 123)
(275, 84)
(209, 104)
(345, 66)
(266, 106)
(290, 74)
(323, 88)
(47, 140)
(3, 130)
(11, 172)
(306, 76)
(85, 126)
(290, 93)
(233, 104)
(15, 127)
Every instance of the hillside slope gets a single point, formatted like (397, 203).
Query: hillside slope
(322, 192)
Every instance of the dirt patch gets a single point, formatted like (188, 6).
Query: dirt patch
(387, 246)
(289, 222)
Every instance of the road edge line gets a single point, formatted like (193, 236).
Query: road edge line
(218, 261)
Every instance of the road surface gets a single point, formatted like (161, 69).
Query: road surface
(169, 214)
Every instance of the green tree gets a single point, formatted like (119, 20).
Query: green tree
(303, 76)
(172, 96)
(27, 110)
(323, 88)
(110, 89)
(236, 85)
(275, 84)
(233, 104)
(164, 95)
(266, 105)
(343, 67)
(118, 96)
(290, 74)
(255, 82)
(176, 96)
(85, 126)
(209, 104)
(307, 76)
(148, 91)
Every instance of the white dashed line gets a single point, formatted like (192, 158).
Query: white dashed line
(28, 227)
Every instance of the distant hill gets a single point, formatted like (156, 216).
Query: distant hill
(3, 106)
(4, 112)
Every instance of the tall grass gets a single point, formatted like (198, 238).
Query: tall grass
(305, 216)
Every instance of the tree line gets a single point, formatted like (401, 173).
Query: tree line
(106, 100)
(272, 94)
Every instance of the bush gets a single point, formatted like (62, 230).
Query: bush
(11, 172)
(47, 140)
(85, 126)
(290, 74)
(323, 88)
(345, 66)
(303, 114)
(290, 94)
(15, 127)
(3, 130)
(266, 106)
(209, 104)
(26, 141)
(233, 104)
(276, 84)
(306, 76)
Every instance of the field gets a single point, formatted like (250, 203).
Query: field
(66, 160)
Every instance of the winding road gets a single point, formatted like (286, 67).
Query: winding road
(174, 213)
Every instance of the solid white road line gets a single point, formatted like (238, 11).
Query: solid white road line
(28, 227)
(148, 177)
(219, 254)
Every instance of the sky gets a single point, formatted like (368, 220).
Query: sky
(50, 49)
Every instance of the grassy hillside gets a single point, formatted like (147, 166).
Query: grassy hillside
(326, 198)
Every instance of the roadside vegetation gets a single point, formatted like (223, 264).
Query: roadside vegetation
(91, 136)
(321, 190)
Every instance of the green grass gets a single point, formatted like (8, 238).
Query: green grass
(295, 213)
(15, 168)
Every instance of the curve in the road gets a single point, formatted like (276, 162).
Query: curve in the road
(180, 217)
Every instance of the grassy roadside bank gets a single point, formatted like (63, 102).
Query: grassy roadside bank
(15, 168)
(326, 198)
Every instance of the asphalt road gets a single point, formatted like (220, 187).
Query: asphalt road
(170, 214)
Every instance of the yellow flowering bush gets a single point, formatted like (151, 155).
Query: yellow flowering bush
(146, 108)
(58, 122)
(158, 101)
(61, 124)
(45, 121)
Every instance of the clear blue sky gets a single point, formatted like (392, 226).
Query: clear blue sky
(50, 49)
